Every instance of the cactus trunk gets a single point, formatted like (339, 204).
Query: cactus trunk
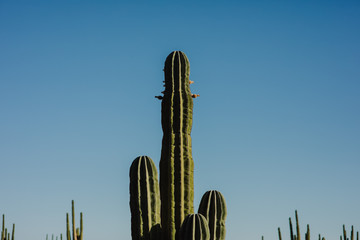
(176, 163)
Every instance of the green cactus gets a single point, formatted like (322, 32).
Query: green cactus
(77, 233)
(194, 227)
(5, 235)
(213, 208)
(176, 163)
(144, 199)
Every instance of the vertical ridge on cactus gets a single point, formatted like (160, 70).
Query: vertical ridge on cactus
(176, 163)
(144, 198)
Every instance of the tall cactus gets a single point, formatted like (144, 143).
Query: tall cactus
(194, 227)
(77, 233)
(144, 199)
(176, 163)
(213, 208)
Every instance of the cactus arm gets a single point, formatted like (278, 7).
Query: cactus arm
(144, 198)
(307, 234)
(81, 226)
(298, 237)
(194, 227)
(68, 237)
(176, 163)
(3, 227)
(291, 230)
(213, 208)
(279, 233)
(13, 232)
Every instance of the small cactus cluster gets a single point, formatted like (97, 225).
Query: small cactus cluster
(77, 233)
(5, 234)
(164, 210)
(297, 236)
(52, 237)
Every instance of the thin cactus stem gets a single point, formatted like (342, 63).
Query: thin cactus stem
(81, 226)
(307, 234)
(279, 233)
(60, 236)
(3, 227)
(291, 230)
(298, 237)
(68, 236)
(352, 233)
(73, 220)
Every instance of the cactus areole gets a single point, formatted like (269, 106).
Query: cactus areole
(176, 163)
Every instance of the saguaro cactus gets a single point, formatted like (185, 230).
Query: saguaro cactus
(194, 227)
(144, 199)
(176, 163)
(77, 233)
(213, 208)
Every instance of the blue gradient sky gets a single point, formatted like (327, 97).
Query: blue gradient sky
(276, 127)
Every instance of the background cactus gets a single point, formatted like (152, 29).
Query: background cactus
(77, 233)
(5, 235)
(194, 227)
(213, 208)
(144, 199)
(176, 163)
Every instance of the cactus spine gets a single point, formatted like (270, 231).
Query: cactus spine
(194, 227)
(176, 163)
(213, 208)
(144, 199)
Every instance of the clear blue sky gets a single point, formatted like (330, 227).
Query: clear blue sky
(276, 127)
